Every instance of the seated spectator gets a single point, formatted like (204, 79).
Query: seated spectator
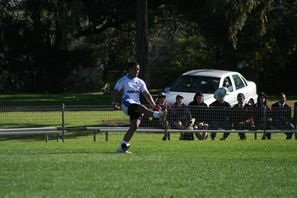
(262, 114)
(198, 109)
(242, 117)
(180, 118)
(163, 104)
(154, 122)
(251, 102)
(220, 111)
(281, 115)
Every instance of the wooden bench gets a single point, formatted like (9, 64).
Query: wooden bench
(32, 131)
(118, 129)
(106, 130)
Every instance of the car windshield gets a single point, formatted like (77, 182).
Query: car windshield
(193, 84)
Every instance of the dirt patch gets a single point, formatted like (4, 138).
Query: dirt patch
(115, 123)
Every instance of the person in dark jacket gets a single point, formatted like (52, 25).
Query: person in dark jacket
(281, 115)
(180, 118)
(198, 109)
(242, 117)
(262, 114)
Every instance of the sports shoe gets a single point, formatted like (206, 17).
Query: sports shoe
(123, 148)
(163, 115)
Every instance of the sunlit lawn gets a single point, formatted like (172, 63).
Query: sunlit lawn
(82, 168)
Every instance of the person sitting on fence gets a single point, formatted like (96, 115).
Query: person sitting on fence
(164, 105)
(281, 115)
(262, 114)
(198, 109)
(220, 111)
(242, 117)
(181, 118)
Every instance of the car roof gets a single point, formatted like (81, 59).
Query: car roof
(209, 72)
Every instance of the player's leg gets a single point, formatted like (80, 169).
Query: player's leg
(134, 124)
(135, 116)
(149, 113)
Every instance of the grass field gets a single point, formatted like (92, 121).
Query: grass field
(79, 168)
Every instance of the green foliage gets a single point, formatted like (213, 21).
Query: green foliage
(43, 42)
(193, 52)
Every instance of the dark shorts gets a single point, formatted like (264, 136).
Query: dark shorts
(133, 112)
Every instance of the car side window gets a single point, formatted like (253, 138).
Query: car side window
(238, 81)
(228, 84)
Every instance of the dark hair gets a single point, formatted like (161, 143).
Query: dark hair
(198, 93)
(282, 94)
(162, 94)
(179, 96)
(262, 94)
(131, 64)
(240, 95)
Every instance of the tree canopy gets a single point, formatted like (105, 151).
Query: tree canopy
(45, 44)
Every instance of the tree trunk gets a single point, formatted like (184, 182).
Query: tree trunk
(142, 39)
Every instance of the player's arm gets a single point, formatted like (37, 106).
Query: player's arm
(114, 95)
(151, 101)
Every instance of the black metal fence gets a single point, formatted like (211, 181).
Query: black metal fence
(75, 118)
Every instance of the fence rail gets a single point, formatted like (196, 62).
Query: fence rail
(76, 118)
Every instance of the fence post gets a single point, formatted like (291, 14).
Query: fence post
(264, 117)
(63, 121)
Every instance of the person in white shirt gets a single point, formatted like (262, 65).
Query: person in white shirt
(130, 87)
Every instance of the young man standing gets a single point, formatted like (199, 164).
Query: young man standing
(130, 87)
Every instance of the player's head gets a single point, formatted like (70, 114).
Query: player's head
(133, 69)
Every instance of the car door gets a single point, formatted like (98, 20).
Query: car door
(231, 95)
(240, 85)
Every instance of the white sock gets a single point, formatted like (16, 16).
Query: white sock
(156, 114)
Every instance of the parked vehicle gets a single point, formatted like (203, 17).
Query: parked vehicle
(207, 81)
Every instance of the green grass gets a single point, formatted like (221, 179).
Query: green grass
(72, 118)
(80, 168)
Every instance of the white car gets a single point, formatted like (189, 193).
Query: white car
(207, 81)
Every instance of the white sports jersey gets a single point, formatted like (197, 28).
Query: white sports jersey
(130, 89)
